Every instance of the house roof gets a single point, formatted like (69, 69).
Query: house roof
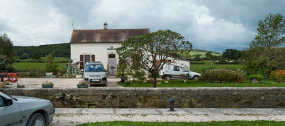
(105, 35)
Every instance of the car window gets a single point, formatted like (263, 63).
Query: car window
(1, 102)
(94, 68)
(176, 68)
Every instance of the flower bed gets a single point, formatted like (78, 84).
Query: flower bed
(222, 76)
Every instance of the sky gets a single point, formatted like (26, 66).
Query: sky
(213, 25)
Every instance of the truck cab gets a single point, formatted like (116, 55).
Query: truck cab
(95, 74)
(174, 70)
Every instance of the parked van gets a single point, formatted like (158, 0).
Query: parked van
(94, 73)
(170, 70)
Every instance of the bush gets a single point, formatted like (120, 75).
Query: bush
(256, 76)
(222, 76)
(278, 75)
(140, 74)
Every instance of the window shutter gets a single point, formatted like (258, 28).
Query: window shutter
(81, 61)
(93, 58)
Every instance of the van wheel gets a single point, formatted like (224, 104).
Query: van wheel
(168, 78)
(195, 78)
(36, 119)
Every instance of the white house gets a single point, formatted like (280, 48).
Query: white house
(100, 45)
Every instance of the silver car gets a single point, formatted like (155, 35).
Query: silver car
(94, 73)
(25, 111)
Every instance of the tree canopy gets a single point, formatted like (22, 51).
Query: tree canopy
(266, 51)
(7, 54)
(150, 51)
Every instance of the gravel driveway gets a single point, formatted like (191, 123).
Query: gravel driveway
(59, 82)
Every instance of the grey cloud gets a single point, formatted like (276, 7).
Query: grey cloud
(211, 25)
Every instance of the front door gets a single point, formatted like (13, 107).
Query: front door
(112, 64)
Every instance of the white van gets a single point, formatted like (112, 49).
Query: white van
(174, 70)
(94, 73)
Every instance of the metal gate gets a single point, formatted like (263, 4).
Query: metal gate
(112, 66)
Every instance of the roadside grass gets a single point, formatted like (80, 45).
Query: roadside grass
(192, 83)
(34, 65)
(213, 123)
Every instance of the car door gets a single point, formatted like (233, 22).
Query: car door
(176, 71)
(9, 115)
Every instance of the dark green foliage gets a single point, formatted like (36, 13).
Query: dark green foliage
(256, 76)
(7, 54)
(146, 51)
(266, 51)
(231, 54)
(37, 55)
(51, 65)
(59, 50)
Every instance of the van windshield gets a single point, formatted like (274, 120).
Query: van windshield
(94, 68)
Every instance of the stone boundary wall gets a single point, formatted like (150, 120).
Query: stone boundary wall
(204, 97)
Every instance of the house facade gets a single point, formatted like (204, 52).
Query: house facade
(100, 45)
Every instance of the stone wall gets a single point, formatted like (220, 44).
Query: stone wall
(158, 97)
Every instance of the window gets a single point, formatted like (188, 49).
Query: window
(94, 68)
(86, 58)
(1, 102)
(112, 56)
(176, 68)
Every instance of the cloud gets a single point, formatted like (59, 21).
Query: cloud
(211, 25)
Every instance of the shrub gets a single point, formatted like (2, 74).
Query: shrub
(222, 76)
(256, 76)
(278, 75)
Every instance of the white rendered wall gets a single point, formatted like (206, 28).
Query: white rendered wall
(99, 49)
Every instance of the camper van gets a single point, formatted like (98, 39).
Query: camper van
(170, 70)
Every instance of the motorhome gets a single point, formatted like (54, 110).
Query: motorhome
(171, 70)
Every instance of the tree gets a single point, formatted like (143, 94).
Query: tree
(208, 55)
(51, 65)
(150, 51)
(265, 51)
(25, 56)
(231, 54)
(7, 53)
(36, 55)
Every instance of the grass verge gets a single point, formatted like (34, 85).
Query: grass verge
(214, 123)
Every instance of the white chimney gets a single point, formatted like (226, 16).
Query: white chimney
(105, 25)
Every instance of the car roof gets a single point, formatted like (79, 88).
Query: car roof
(96, 62)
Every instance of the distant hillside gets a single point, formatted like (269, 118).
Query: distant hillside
(59, 50)
(203, 52)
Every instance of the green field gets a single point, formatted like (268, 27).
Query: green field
(210, 65)
(34, 65)
(192, 83)
(212, 123)
(55, 58)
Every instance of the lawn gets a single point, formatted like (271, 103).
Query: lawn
(34, 65)
(214, 123)
(192, 83)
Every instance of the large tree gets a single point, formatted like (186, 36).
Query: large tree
(265, 52)
(7, 53)
(150, 51)
(231, 54)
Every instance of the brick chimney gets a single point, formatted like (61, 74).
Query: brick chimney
(105, 25)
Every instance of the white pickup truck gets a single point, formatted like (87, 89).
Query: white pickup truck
(174, 70)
